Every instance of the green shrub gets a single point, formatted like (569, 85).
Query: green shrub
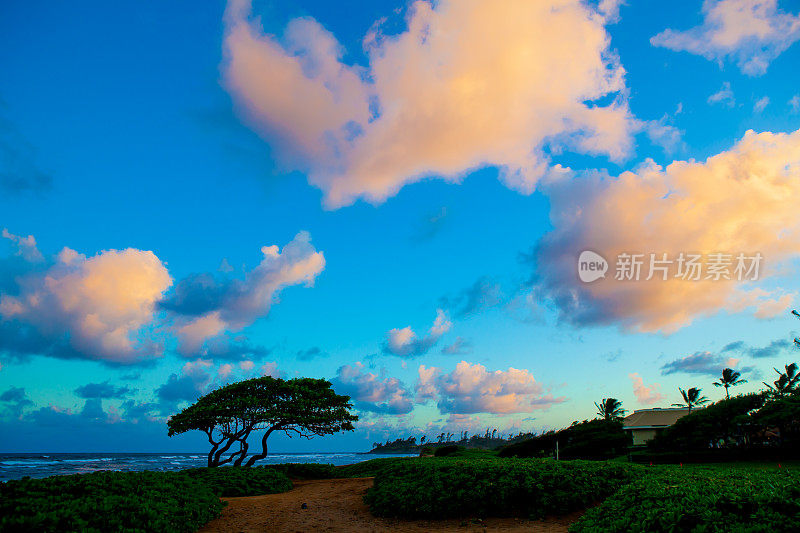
(593, 439)
(107, 501)
(445, 487)
(306, 470)
(373, 467)
(241, 481)
(446, 451)
(701, 500)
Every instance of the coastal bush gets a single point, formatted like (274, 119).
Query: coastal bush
(445, 451)
(306, 470)
(593, 439)
(449, 487)
(702, 500)
(373, 467)
(241, 481)
(107, 501)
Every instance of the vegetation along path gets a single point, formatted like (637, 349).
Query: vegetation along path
(334, 505)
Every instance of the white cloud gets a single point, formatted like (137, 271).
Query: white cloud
(96, 304)
(232, 304)
(404, 342)
(468, 84)
(371, 392)
(750, 32)
(739, 201)
(471, 388)
(761, 104)
(723, 96)
(646, 395)
(26, 246)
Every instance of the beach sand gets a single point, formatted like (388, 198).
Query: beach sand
(337, 505)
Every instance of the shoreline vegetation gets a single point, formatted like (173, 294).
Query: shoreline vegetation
(469, 487)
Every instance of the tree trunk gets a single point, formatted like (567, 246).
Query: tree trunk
(263, 453)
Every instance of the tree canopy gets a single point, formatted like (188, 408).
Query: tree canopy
(304, 407)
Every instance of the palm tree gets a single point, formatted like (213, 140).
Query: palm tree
(786, 382)
(609, 408)
(691, 398)
(730, 378)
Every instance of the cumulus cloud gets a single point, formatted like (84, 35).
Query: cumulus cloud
(86, 307)
(26, 246)
(101, 391)
(405, 343)
(14, 401)
(371, 392)
(467, 84)
(471, 388)
(188, 385)
(750, 32)
(646, 395)
(702, 363)
(207, 306)
(738, 201)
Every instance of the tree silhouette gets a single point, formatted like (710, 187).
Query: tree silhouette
(787, 381)
(730, 378)
(302, 406)
(609, 408)
(691, 398)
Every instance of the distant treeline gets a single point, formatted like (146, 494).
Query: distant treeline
(490, 440)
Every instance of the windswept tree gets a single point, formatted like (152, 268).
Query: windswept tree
(303, 407)
(609, 408)
(691, 398)
(730, 378)
(787, 381)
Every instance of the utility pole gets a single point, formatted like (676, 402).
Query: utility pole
(556, 449)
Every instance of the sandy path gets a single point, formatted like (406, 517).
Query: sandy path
(336, 505)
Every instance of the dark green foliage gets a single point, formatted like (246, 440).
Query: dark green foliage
(726, 420)
(445, 487)
(241, 481)
(107, 501)
(306, 470)
(305, 407)
(446, 451)
(674, 499)
(373, 467)
(593, 439)
(783, 412)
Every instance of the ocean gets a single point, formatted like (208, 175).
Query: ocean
(18, 465)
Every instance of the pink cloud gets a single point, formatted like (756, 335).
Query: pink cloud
(468, 84)
(646, 395)
(471, 388)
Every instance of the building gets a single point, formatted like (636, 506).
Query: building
(644, 424)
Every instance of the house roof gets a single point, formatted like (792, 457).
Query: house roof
(653, 418)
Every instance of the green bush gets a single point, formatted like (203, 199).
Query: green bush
(241, 481)
(107, 501)
(449, 487)
(701, 500)
(446, 451)
(592, 439)
(306, 470)
(373, 467)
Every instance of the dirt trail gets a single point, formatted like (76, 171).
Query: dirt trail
(336, 505)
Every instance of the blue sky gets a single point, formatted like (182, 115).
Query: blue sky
(415, 169)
